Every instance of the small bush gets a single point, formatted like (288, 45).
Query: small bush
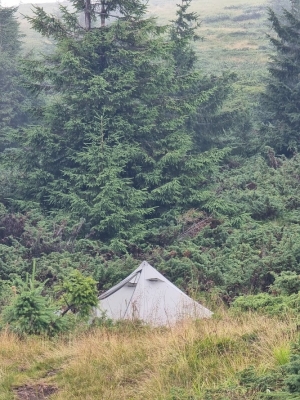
(31, 313)
(286, 283)
(283, 383)
(268, 304)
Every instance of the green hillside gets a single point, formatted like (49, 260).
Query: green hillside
(123, 140)
(237, 188)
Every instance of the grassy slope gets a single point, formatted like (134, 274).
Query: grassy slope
(140, 363)
(162, 364)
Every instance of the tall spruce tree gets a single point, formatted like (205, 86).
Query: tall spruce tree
(210, 121)
(183, 34)
(282, 96)
(11, 94)
(113, 147)
(14, 100)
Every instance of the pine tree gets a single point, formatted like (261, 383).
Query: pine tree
(183, 34)
(282, 96)
(209, 122)
(114, 147)
(29, 311)
(12, 95)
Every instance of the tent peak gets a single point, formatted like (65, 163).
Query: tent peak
(147, 295)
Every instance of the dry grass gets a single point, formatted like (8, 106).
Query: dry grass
(134, 363)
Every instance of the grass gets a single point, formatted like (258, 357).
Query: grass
(135, 362)
(282, 354)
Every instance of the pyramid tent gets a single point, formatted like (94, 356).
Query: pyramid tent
(147, 295)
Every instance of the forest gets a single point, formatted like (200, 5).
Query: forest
(131, 132)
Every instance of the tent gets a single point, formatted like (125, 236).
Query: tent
(147, 295)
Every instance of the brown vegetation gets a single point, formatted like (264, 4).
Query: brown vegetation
(136, 362)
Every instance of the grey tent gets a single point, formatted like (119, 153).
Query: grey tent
(147, 295)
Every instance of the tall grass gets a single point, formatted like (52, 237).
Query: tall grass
(135, 362)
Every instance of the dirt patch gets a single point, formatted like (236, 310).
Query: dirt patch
(36, 392)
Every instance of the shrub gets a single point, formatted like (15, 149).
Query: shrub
(266, 303)
(286, 283)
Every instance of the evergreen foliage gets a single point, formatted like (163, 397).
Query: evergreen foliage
(286, 283)
(113, 147)
(30, 312)
(283, 383)
(12, 96)
(183, 33)
(280, 383)
(211, 124)
(33, 310)
(268, 304)
(247, 230)
(284, 297)
(282, 96)
(125, 160)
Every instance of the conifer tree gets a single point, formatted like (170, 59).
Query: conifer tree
(114, 147)
(183, 34)
(282, 96)
(11, 94)
(210, 121)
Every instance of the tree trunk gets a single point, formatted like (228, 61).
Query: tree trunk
(103, 13)
(87, 14)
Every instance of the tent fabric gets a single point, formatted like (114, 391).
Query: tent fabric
(147, 295)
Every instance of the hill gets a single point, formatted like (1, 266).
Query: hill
(238, 251)
(204, 360)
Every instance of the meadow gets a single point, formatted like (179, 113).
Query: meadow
(198, 360)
